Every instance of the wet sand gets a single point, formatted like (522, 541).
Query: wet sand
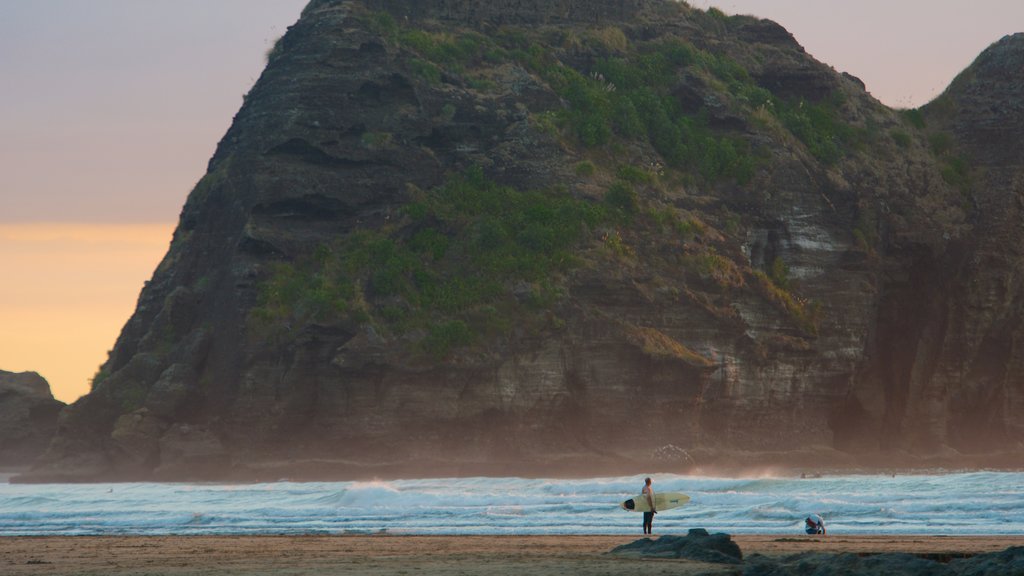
(386, 555)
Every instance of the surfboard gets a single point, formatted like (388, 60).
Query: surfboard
(662, 501)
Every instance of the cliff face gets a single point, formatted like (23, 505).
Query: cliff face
(973, 339)
(28, 417)
(454, 236)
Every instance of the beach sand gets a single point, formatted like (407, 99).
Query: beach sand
(386, 555)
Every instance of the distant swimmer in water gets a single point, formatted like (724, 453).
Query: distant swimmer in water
(813, 524)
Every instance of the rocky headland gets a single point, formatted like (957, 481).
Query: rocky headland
(460, 237)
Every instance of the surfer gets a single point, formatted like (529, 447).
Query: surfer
(648, 493)
(814, 524)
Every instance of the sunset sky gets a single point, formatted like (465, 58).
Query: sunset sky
(110, 110)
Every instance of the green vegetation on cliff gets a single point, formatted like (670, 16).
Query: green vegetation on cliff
(472, 258)
(469, 256)
(631, 97)
(819, 126)
(628, 95)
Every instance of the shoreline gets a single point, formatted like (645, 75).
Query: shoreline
(388, 554)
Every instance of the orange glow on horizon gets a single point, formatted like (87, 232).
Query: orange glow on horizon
(68, 291)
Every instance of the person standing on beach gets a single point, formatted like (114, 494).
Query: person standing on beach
(814, 524)
(648, 493)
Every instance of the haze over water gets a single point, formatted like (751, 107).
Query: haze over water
(951, 504)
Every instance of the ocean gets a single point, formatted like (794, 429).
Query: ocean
(953, 504)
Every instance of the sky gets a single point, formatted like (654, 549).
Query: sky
(110, 110)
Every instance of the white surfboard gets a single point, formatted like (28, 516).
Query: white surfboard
(662, 501)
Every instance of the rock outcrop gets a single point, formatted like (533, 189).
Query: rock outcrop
(28, 417)
(697, 545)
(450, 236)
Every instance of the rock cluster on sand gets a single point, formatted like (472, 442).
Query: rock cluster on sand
(719, 548)
(28, 417)
(696, 545)
(1005, 563)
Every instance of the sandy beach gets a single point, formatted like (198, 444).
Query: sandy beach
(420, 555)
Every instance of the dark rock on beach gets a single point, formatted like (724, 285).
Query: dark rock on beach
(821, 564)
(696, 545)
(1005, 563)
(700, 546)
(1008, 562)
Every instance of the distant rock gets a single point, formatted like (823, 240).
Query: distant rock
(696, 545)
(28, 417)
